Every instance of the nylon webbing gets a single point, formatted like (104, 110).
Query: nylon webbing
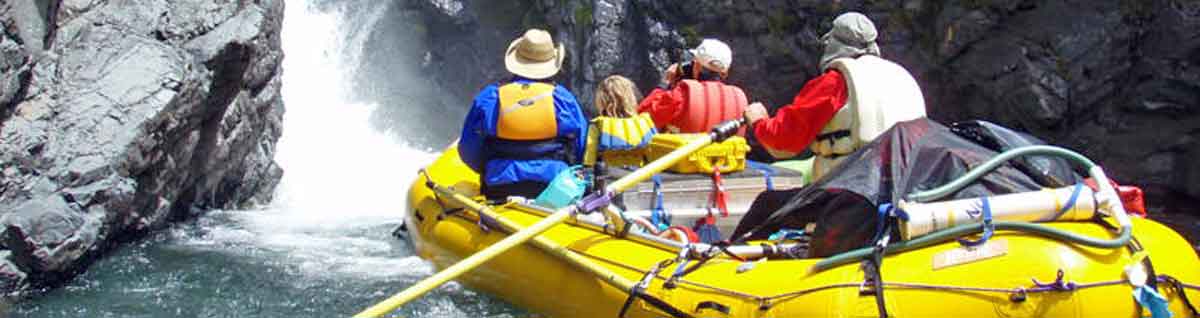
(657, 213)
(766, 170)
(988, 227)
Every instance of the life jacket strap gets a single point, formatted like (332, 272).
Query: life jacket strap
(526, 102)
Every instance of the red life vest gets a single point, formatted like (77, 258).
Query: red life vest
(708, 104)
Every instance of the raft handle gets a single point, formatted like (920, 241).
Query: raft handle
(712, 305)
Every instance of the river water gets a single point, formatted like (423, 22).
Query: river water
(323, 247)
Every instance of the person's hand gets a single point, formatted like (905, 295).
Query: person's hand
(671, 75)
(755, 112)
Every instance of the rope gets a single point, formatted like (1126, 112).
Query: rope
(873, 266)
(1179, 287)
(722, 246)
(640, 286)
(1189, 286)
(719, 290)
(874, 274)
(947, 288)
(436, 198)
(767, 301)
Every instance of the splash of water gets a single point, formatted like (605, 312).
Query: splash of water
(341, 175)
(323, 247)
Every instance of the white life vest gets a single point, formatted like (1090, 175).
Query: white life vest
(880, 94)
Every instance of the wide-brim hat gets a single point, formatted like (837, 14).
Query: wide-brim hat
(534, 55)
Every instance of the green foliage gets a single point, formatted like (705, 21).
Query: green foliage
(520, 14)
(691, 37)
(583, 15)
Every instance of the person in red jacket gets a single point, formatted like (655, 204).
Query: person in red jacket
(858, 96)
(692, 97)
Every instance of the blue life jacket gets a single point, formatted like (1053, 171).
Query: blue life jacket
(523, 131)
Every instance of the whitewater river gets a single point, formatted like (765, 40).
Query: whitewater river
(324, 247)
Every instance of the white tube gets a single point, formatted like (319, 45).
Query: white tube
(1108, 199)
(1037, 206)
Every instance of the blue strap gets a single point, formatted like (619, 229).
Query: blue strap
(657, 214)
(1071, 202)
(881, 220)
(988, 228)
(786, 234)
(1151, 300)
(887, 210)
(766, 171)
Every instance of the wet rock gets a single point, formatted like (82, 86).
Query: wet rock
(47, 236)
(1112, 79)
(454, 12)
(135, 115)
(14, 60)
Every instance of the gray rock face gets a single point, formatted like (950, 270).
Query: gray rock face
(1116, 80)
(135, 114)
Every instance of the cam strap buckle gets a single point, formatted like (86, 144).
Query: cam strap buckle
(526, 102)
(717, 198)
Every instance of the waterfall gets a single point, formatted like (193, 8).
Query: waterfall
(340, 175)
(323, 247)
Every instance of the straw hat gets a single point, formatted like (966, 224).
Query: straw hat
(534, 55)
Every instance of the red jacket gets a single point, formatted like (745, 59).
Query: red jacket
(795, 126)
(694, 106)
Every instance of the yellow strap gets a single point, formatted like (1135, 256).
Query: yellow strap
(593, 141)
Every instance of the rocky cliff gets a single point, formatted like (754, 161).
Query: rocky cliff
(1118, 80)
(117, 117)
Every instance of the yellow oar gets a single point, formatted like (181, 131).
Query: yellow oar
(562, 252)
(588, 203)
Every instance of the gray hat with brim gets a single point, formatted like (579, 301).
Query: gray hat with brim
(852, 35)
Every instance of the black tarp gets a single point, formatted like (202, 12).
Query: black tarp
(912, 156)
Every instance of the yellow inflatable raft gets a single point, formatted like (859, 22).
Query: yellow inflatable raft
(1013, 275)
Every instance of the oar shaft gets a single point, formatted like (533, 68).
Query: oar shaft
(620, 185)
(656, 166)
(718, 133)
(464, 265)
(545, 244)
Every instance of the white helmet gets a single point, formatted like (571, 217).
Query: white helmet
(714, 55)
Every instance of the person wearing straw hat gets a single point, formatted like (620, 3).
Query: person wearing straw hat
(520, 133)
(858, 97)
(693, 97)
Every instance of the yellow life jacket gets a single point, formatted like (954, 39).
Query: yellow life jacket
(526, 112)
(619, 141)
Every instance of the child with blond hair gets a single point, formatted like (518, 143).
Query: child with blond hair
(619, 134)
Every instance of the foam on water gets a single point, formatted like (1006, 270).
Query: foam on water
(323, 247)
(342, 178)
